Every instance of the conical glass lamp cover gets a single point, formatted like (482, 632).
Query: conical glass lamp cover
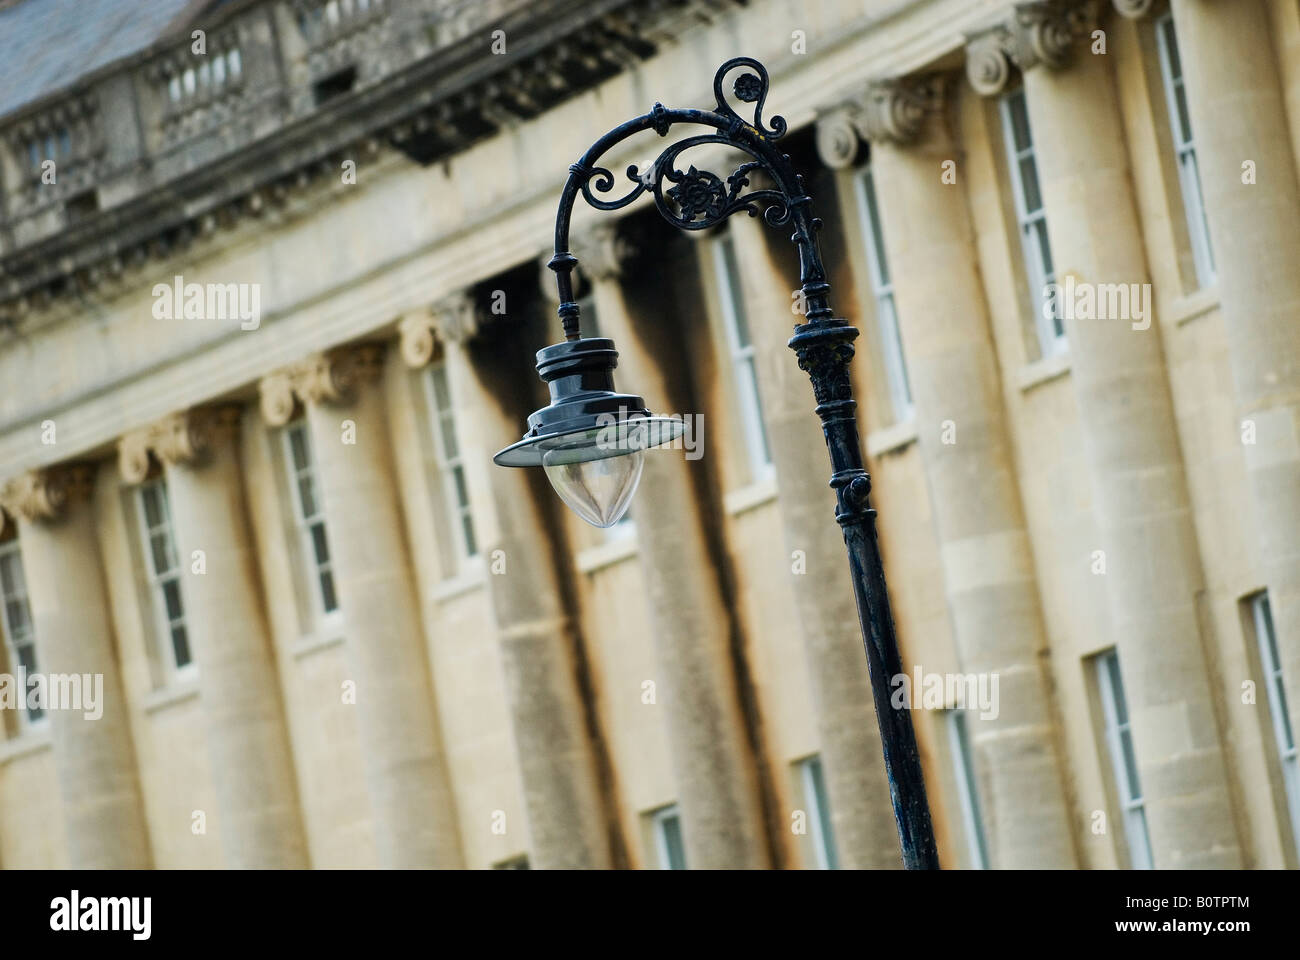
(599, 491)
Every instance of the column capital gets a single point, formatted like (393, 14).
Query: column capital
(453, 319)
(603, 250)
(186, 437)
(47, 494)
(332, 377)
(893, 110)
(1041, 31)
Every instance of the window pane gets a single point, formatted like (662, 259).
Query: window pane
(1030, 194)
(1117, 689)
(822, 800)
(1184, 121)
(462, 491)
(877, 236)
(1019, 121)
(298, 446)
(8, 576)
(471, 545)
(1171, 48)
(671, 830)
(449, 445)
(733, 292)
(171, 591)
(319, 545)
(441, 392)
(181, 646)
(15, 615)
(1130, 765)
(756, 400)
(160, 551)
(153, 515)
(307, 495)
(26, 654)
(328, 600)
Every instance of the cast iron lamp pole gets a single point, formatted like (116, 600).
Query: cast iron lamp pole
(582, 435)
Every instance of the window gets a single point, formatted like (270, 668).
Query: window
(1283, 731)
(1032, 219)
(311, 519)
(591, 328)
(451, 463)
(16, 622)
(819, 813)
(1189, 177)
(742, 355)
(963, 763)
(882, 286)
(667, 824)
(163, 569)
(1119, 741)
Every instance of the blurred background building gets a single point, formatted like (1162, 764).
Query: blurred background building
(331, 634)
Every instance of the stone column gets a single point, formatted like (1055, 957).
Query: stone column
(415, 818)
(713, 764)
(540, 650)
(984, 545)
(1234, 92)
(861, 806)
(1153, 564)
(101, 800)
(252, 765)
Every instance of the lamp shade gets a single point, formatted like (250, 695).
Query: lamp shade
(589, 438)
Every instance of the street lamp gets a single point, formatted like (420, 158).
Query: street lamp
(591, 440)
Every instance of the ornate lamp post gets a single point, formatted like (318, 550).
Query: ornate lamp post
(590, 439)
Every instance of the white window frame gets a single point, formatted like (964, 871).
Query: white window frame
(304, 522)
(657, 821)
(15, 636)
(450, 468)
(625, 526)
(882, 287)
(1279, 710)
(1119, 744)
(1032, 224)
(1189, 176)
(821, 831)
(963, 769)
(158, 581)
(744, 363)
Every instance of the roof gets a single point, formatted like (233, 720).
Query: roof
(48, 45)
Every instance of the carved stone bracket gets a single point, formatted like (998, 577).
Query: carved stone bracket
(47, 495)
(1043, 31)
(602, 252)
(333, 377)
(187, 437)
(893, 111)
(453, 319)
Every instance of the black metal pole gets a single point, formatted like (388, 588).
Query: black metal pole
(823, 344)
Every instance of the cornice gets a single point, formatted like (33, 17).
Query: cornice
(435, 106)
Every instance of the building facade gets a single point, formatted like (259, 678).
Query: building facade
(271, 282)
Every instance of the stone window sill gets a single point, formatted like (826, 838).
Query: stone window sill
(178, 691)
(315, 643)
(1043, 371)
(893, 439)
(607, 554)
(34, 739)
(756, 494)
(469, 578)
(1193, 306)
